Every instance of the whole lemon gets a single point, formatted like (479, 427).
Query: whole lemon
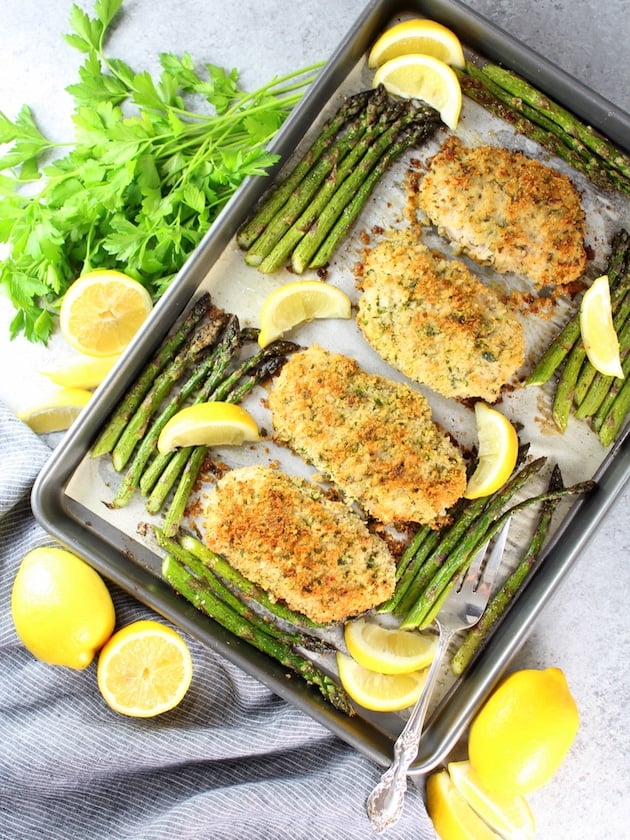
(61, 607)
(523, 732)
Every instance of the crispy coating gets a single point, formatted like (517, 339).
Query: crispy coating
(433, 320)
(372, 437)
(283, 534)
(505, 210)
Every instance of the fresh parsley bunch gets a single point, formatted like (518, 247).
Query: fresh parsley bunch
(145, 177)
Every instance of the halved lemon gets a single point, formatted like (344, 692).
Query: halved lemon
(295, 303)
(452, 816)
(58, 412)
(416, 76)
(598, 331)
(144, 669)
(102, 311)
(388, 650)
(379, 692)
(82, 372)
(418, 35)
(497, 451)
(208, 424)
(509, 816)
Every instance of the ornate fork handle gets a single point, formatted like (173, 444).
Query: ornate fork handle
(385, 803)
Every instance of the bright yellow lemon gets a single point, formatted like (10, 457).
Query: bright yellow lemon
(61, 607)
(523, 732)
(58, 412)
(598, 330)
(145, 669)
(209, 424)
(296, 303)
(452, 816)
(497, 452)
(379, 692)
(509, 816)
(388, 650)
(418, 35)
(102, 311)
(82, 372)
(417, 76)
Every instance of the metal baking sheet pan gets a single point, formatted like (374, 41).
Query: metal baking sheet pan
(70, 495)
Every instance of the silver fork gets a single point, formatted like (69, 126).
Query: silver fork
(460, 611)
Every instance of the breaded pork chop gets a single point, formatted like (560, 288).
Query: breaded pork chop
(434, 321)
(283, 534)
(373, 438)
(507, 211)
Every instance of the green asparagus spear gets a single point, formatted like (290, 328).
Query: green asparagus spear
(136, 427)
(446, 568)
(235, 598)
(317, 202)
(148, 443)
(479, 89)
(114, 428)
(165, 470)
(561, 346)
(222, 568)
(276, 200)
(328, 170)
(185, 583)
(568, 122)
(498, 604)
(331, 240)
(615, 415)
(599, 385)
(391, 144)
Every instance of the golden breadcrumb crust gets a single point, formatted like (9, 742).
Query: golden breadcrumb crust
(372, 437)
(433, 320)
(506, 210)
(283, 534)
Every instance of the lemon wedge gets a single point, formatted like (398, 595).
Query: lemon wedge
(452, 816)
(598, 331)
(416, 76)
(208, 424)
(57, 413)
(388, 650)
(497, 452)
(418, 35)
(82, 372)
(509, 816)
(144, 669)
(296, 303)
(102, 311)
(379, 692)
